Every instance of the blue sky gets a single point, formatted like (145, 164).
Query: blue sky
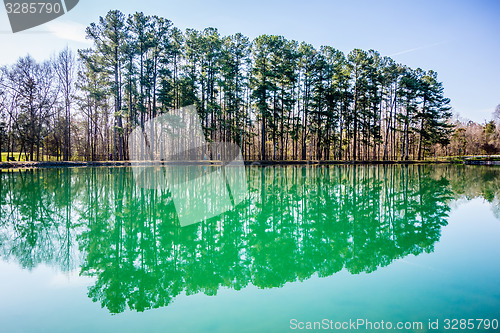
(458, 39)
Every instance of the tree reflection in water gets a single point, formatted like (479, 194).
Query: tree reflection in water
(296, 222)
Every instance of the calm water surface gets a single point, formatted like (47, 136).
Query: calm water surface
(85, 249)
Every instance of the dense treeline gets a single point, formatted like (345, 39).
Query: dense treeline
(276, 98)
(470, 138)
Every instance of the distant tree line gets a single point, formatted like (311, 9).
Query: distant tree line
(470, 138)
(276, 98)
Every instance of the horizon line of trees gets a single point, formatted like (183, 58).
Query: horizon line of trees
(276, 98)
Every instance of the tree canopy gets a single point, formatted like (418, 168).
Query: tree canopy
(278, 99)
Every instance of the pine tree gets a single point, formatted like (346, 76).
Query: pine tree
(109, 37)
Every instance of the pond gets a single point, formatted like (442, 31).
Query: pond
(86, 249)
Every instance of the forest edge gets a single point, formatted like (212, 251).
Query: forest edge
(469, 161)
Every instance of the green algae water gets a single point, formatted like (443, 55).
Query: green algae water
(324, 248)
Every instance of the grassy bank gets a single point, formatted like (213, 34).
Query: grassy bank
(51, 163)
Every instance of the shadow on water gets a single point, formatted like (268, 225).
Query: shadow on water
(296, 222)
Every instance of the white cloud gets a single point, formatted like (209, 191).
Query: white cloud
(71, 31)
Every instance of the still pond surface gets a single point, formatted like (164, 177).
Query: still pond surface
(86, 250)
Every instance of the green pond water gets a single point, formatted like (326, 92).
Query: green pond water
(87, 250)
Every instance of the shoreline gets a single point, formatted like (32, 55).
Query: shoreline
(63, 164)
